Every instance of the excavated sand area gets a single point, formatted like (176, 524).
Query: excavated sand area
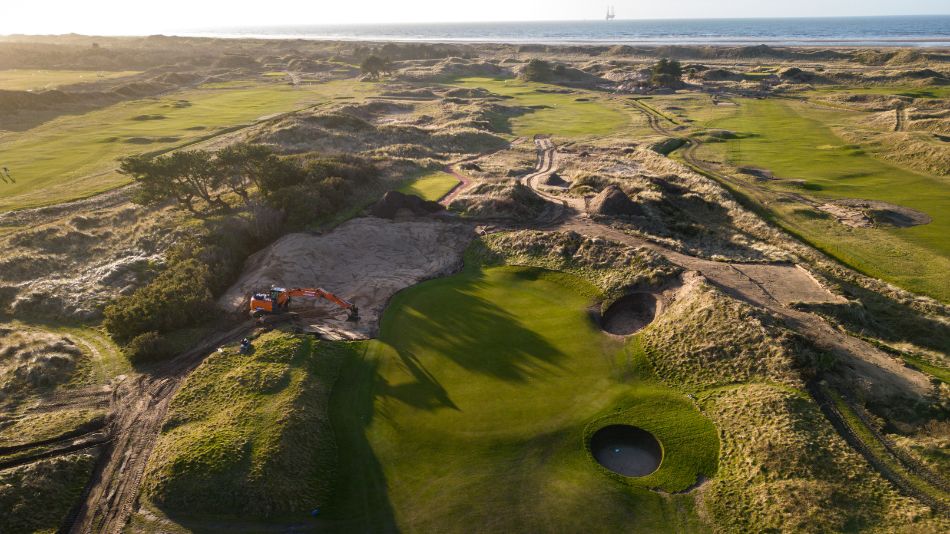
(364, 260)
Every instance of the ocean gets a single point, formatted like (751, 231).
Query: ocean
(921, 31)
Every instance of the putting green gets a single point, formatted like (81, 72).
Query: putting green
(472, 410)
(557, 112)
(432, 186)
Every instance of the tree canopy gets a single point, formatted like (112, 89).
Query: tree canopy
(375, 65)
(667, 73)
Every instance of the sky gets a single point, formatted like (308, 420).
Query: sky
(133, 17)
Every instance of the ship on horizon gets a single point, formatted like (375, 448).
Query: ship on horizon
(611, 13)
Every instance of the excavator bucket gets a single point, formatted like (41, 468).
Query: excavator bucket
(354, 315)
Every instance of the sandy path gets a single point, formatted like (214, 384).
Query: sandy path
(464, 183)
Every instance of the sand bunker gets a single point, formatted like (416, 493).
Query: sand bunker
(859, 213)
(630, 314)
(365, 260)
(626, 450)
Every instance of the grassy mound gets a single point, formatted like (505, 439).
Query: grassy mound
(248, 435)
(36, 497)
(472, 412)
(686, 347)
(824, 485)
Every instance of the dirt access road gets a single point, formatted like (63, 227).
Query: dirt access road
(138, 408)
(772, 287)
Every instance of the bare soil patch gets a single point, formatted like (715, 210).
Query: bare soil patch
(858, 213)
(365, 260)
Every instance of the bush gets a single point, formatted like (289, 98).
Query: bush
(147, 347)
(176, 298)
(537, 70)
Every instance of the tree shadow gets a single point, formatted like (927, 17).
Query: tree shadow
(475, 333)
(360, 498)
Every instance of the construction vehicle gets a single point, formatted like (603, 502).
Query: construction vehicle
(277, 301)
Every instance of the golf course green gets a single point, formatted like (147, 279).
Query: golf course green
(430, 186)
(474, 409)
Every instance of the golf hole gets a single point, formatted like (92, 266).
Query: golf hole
(630, 314)
(626, 450)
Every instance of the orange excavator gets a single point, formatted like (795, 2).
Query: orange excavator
(277, 301)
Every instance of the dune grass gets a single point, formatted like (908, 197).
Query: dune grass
(37, 497)
(431, 186)
(471, 413)
(35, 79)
(74, 156)
(557, 114)
(49, 425)
(795, 142)
(247, 435)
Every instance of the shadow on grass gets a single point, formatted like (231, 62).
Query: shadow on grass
(477, 334)
(885, 318)
(360, 497)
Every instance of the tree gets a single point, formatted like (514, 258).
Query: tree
(244, 167)
(667, 73)
(537, 70)
(374, 65)
(182, 176)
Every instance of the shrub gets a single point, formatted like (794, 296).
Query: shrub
(147, 347)
(537, 70)
(178, 297)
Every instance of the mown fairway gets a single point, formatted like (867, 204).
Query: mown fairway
(432, 186)
(470, 414)
(796, 142)
(33, 80)
(557, 113)
(74, 156)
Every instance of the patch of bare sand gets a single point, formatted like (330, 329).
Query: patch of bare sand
(859, 213)
(364, 260)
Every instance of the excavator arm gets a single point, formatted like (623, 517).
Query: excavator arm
(320, 293)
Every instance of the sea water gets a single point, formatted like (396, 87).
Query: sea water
(932, 31)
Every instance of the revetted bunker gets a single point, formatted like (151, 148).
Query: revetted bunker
(630, 314)
(626, 450)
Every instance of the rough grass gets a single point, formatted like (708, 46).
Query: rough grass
(432, 186)
(47, 425)
(470, 413)
(74, 156)
(784, 469)
(686, 343)
(882, 453)
(557, 113)
(795, 142)
(248, 435)
(36, 497)
(33, 80)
